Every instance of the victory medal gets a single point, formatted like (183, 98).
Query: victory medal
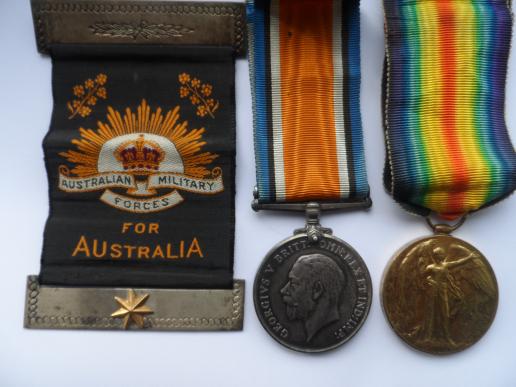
(448, 154)
(439, 293)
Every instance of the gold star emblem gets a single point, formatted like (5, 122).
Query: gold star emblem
(132, 308)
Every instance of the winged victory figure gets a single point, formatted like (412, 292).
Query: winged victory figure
(442, 273)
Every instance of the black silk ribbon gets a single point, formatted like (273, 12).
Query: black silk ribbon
(100, 232)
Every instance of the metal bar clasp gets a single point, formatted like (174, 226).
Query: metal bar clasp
(302, 206)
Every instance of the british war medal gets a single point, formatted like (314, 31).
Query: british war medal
(449, 154)
(140, 157)
(312, 292)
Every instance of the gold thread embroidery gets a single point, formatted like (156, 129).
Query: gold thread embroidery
(199, 94)
(87, 96)
(143, 153)
(188, 143)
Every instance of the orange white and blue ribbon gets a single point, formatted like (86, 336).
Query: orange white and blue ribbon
(448, 147)
(305, 75)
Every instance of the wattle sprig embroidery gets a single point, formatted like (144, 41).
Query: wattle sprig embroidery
(87, 96)
(199, 94)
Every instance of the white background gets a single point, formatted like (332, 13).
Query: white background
(374, 357)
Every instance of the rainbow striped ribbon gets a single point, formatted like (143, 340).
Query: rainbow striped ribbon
(305, 75)
(447, 143)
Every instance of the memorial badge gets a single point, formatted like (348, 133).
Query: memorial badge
(140, 159)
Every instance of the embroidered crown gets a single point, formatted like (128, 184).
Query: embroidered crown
(140, 156)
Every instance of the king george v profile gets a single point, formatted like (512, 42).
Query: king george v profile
(313, 292)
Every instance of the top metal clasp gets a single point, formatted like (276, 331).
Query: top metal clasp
(303, 206)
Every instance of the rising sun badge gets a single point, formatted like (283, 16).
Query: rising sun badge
(140, 161)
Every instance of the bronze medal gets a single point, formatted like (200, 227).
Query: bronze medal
(440, 294)
(448, 154)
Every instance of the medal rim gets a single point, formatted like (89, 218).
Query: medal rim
(387, 269)
(296, 347)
